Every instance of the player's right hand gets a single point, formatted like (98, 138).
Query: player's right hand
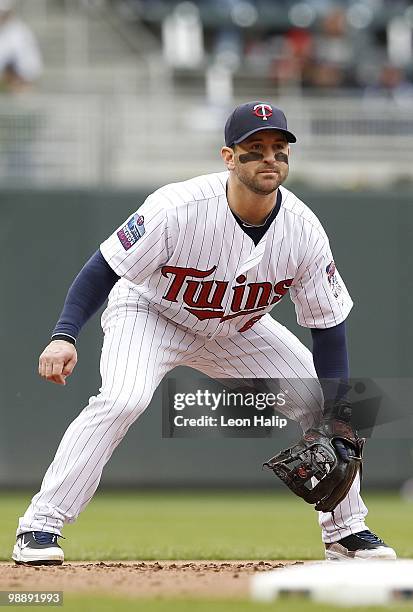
(57, 361)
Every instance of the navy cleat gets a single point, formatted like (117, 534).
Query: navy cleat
(37, 548)
(362, 545)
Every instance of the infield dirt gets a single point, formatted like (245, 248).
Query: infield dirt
(140, 579)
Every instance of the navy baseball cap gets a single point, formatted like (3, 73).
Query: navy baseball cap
(251, 117)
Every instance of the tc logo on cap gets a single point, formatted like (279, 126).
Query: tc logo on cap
(263, 111)
(251, 117)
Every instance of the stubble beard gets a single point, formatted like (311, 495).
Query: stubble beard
(254, 185)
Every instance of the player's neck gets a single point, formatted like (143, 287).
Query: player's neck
(250, 207)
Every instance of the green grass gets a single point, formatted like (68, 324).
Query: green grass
(205, 525)
(92, 604)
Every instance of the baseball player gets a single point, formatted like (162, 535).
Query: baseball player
(191, 279)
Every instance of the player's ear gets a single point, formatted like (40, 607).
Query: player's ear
(227, 154)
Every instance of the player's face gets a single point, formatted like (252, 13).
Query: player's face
(260, 161)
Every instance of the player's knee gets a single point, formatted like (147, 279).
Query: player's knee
(124, 404)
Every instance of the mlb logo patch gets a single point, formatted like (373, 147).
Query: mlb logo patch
(130, 233)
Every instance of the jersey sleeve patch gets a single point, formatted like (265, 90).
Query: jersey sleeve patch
(130, 233)
(333, 280)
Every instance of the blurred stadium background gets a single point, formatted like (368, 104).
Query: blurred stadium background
(103, 101)
(125, 82)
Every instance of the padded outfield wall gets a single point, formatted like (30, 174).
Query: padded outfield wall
(47, 236)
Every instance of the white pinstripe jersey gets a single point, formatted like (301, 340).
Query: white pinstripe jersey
(184, 253)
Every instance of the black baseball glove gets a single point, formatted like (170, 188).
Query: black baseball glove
(331, 453)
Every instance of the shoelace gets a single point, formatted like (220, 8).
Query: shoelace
(43, 537)
(369, 536)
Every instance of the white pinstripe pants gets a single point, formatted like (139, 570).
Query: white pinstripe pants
(140, 347)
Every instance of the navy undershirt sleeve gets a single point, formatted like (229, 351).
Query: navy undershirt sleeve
(86, 295)
(331, 360)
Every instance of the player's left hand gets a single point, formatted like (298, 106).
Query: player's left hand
(322, 466)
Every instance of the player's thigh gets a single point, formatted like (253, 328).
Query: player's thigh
(140, 347)
(269, 351)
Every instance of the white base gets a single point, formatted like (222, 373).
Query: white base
(350, 583)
